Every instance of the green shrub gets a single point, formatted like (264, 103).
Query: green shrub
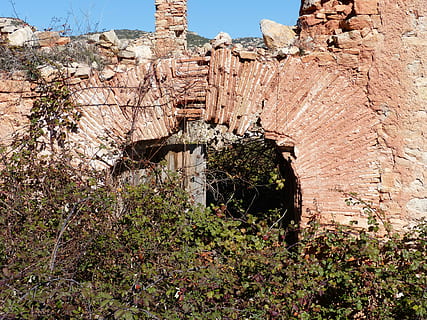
(74, 245)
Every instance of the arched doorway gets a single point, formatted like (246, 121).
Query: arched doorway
(237, 176)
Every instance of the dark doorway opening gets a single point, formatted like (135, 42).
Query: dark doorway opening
(250, 177)
(239, 178)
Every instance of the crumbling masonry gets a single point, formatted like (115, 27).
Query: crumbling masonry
(171, 27)
(349, 110)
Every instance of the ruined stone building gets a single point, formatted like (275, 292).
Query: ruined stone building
(348, 108)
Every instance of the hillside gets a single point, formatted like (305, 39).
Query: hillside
(193, 39)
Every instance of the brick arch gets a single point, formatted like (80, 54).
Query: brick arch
(317, 115)
(352, 108)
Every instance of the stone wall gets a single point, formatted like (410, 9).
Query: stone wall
(385, 44)
(171, 27)
(351, 105)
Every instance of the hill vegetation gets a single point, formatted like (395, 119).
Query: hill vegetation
(193, 39)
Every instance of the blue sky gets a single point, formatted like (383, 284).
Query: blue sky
(240, 18)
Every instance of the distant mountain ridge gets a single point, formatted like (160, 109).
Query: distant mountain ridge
(193, 39)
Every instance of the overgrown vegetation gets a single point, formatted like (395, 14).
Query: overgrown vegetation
(245, 178)
(75, 245)
(31, 60)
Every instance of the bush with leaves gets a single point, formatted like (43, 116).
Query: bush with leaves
(73, 245)
(245, 177)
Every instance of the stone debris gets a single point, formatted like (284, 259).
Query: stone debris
(221, 40)
(16, 33)
(108, 39)
(22, 36)
(140, 53)
(106, 74)
(309, 5)
(83, 71)
(50, 39)
(247, 55)
(283, 52)
(48, 72)
(239, 50)
(276, 35)
(321, 18)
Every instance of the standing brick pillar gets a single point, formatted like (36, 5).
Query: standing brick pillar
(171, 27)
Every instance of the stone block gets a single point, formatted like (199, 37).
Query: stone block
(222, 39)
(417, 207)
(320, 15)
(388, 182)
(309, 20)
(373, 39)
(376, 21)
(341, 8)
(357, 23)
(47, 38)
(142, 52)
(366, 6)
(331, 26)
(48, 73)
(247, 55)
(110, 37)
(22, 36)
(126, 54)
(348, 60)
(338, 17)
(345, 40)
(322, 58)
(276, 35)
(353, 51)
(310, 5)
(83, 71)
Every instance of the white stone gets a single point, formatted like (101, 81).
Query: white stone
(68, 71)
(417, 185)
(221, 39)
(123, 44)
(83, 71)
(12, 22)
(142, 53)
(93, 37)
(238, 47)
(126, 54)
(110, 36)
(291, 50)
(309, 4)
(9, 29)
(207, 47)
(417, 206)
(22, 36)
(106, 74)
(47, 72)
(94, 65)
